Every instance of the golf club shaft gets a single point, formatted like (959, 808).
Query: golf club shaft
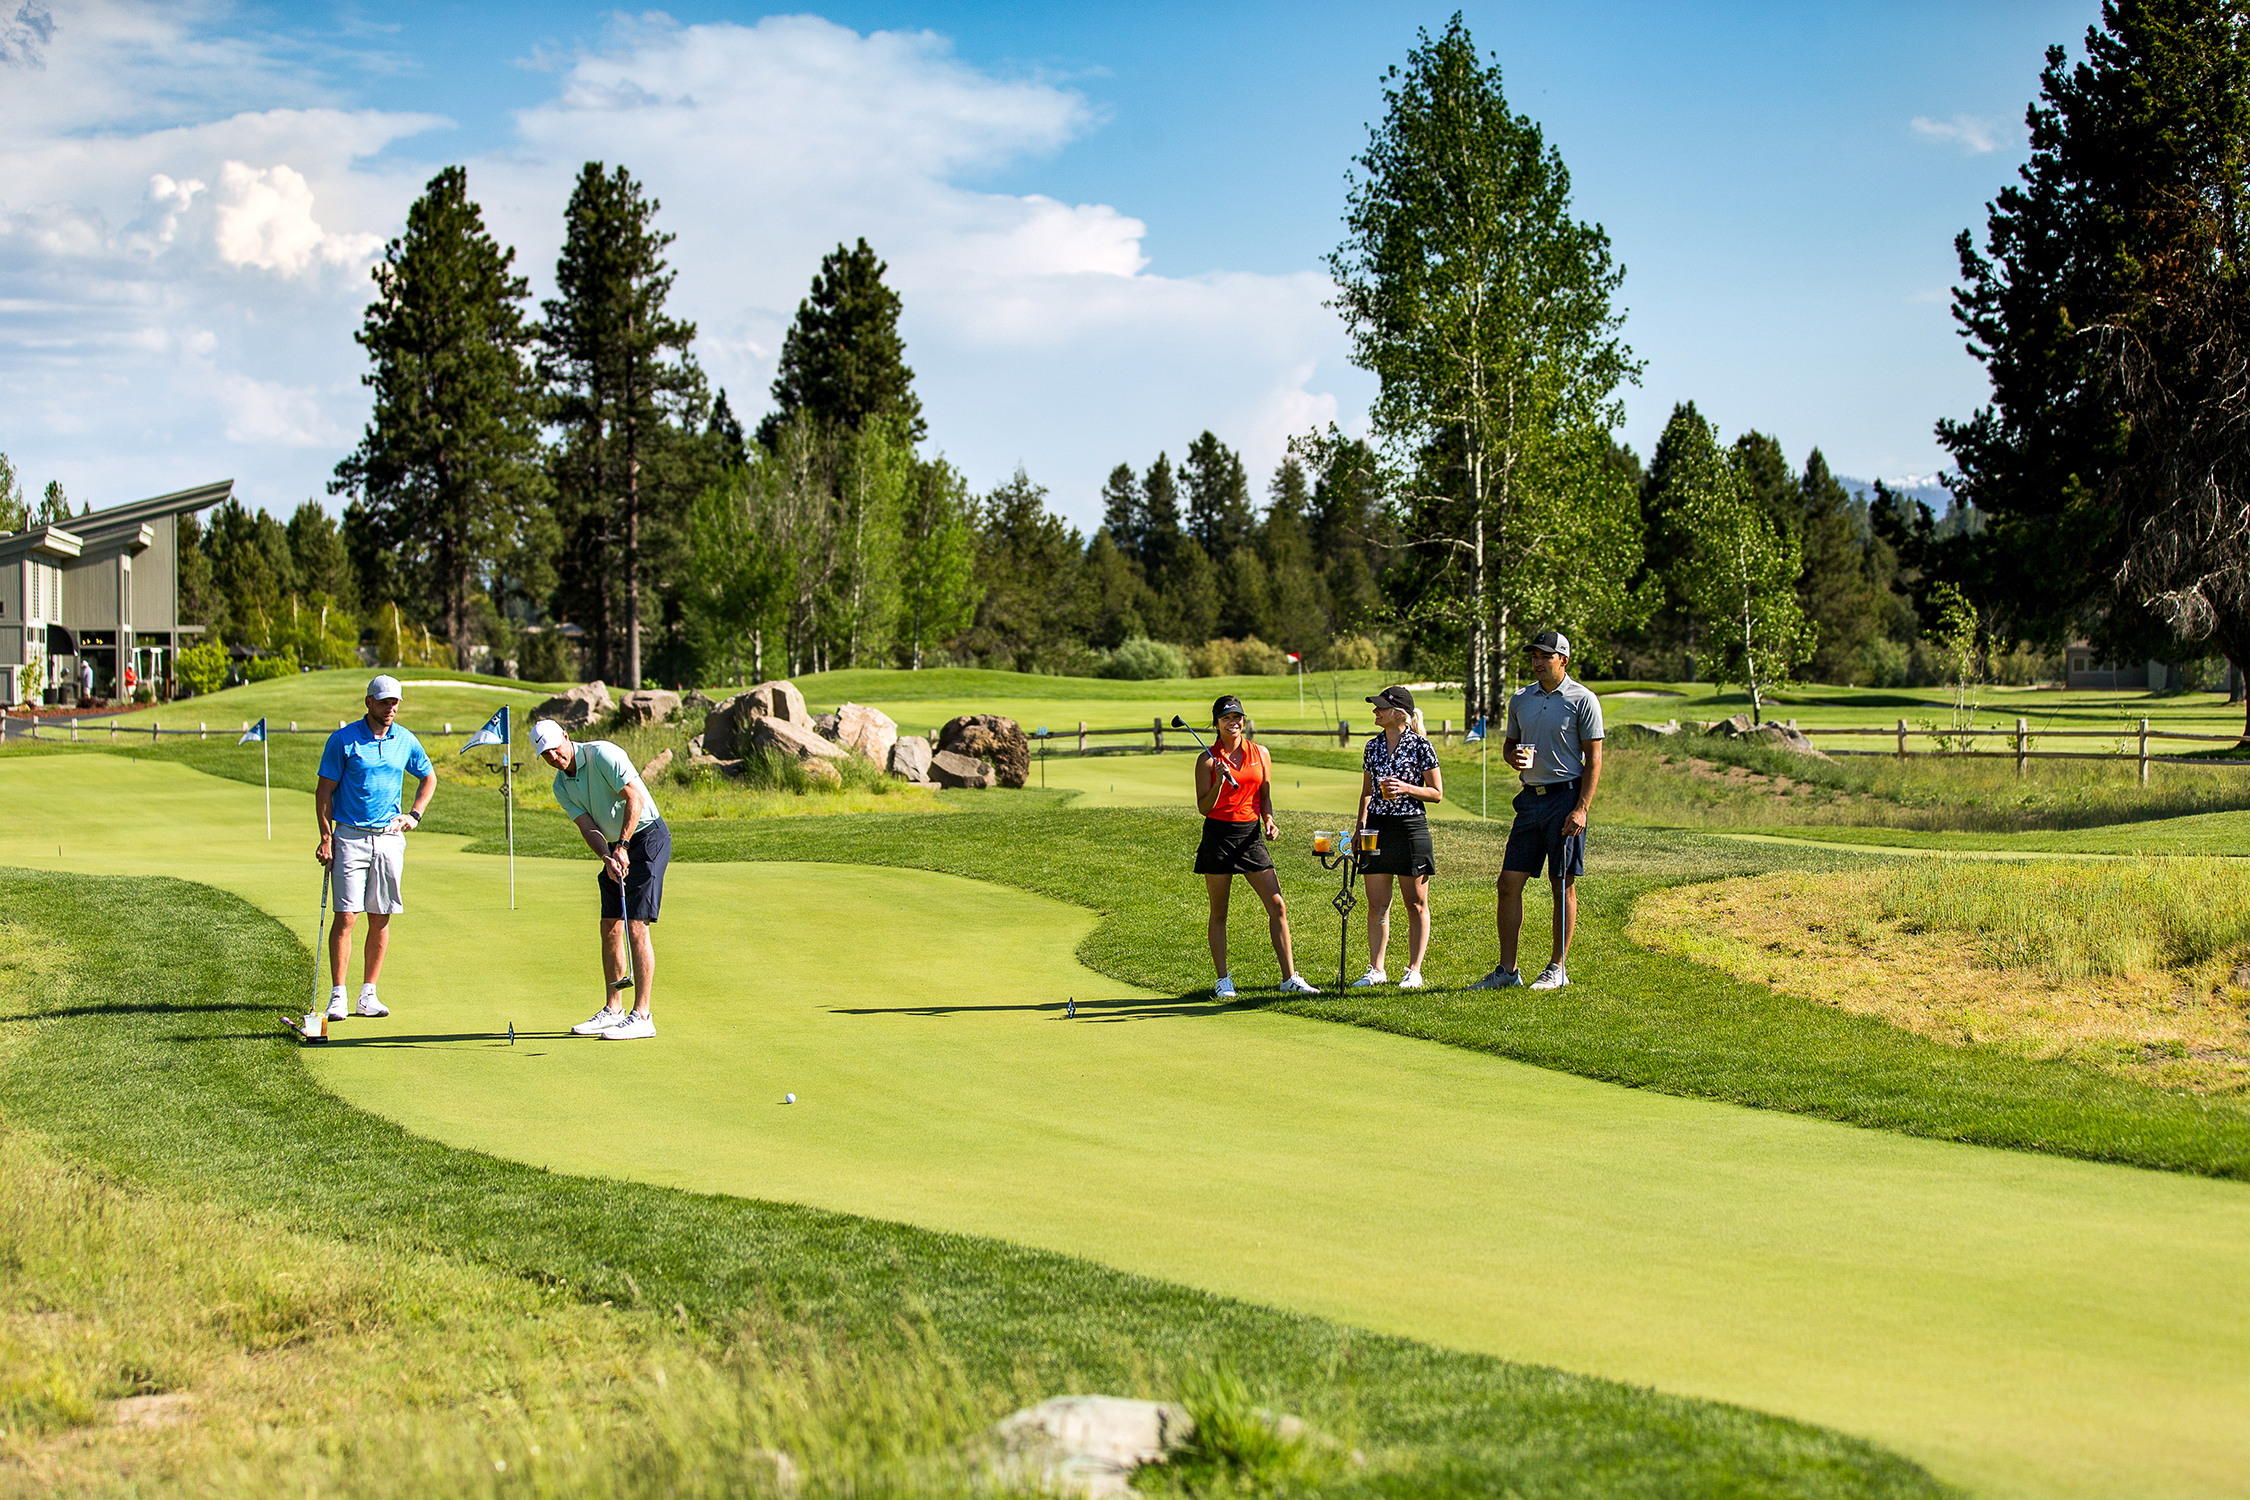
(1207, 750)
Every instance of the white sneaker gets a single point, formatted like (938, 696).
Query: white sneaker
(1224, 989)
(1551, 978)
(1372, 977)
(599, 1022)
(1410, 980)
(1499, 979)
(370, 1006)
(337, 1008)
(1298, 984)
(631, 1029)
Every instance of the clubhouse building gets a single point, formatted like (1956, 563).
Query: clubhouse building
(101, 590)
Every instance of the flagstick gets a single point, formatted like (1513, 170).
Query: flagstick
(265, 748)
(508, 793)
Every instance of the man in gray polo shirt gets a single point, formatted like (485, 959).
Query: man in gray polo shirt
(1555, 742)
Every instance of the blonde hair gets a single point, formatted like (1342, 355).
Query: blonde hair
(1414, 722)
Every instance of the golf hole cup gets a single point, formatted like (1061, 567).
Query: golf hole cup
(1324, 840)
(1366, 841)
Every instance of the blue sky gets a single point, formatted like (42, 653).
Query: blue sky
(1108, 221)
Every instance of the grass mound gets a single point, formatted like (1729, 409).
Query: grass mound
(2127, 968)
(139, 1040)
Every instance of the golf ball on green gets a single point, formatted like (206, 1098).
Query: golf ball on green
(789, 1098)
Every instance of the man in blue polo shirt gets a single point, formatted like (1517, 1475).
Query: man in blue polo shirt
(1555, 743)
(363, 769)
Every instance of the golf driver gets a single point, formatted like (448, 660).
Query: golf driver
(1180, 723)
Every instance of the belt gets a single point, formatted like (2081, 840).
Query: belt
(1549, 788)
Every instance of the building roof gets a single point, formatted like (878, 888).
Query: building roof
(52, 543)
(134, 514)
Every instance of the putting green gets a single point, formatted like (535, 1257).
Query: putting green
(2024, 1325)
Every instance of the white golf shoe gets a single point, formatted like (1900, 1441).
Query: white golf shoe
(1298, 984)
(1551, 978)
(1371, 978)
(1410, 980)
(599, 1022)
(338, 1006)
(631, 1029)
(1224, 989)
(370, 1006)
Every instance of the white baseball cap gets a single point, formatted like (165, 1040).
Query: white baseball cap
(385, 687)
(545, 735)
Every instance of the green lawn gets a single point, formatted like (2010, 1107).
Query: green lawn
(1851, 1277)
(144, 1048)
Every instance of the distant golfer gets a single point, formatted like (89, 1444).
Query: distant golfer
(1555, 743)
(596, 784)
(1399, 779)
(363, 833)
(1237, 821)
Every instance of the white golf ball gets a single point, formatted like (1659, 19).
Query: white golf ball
(789, 1098)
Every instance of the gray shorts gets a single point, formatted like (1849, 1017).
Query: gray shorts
(367, 869)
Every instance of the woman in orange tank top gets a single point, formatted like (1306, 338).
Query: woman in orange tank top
(1234, 791)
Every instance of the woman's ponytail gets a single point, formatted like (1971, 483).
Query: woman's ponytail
(1414, 722)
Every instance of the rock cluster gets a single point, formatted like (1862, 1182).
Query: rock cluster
(727, 732)
(577, 709)
(989, 737)
(1776, 736)
(865, 731)
(951, 768)
(648, 706)
(910, 758)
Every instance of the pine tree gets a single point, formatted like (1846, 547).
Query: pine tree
(1160, 515)
(620, 380)
(317, 550)
(14, 514)
(1297, 618)
(843, 360)
(1218, 490)
(447, 473)
(54, 506)
(1125, 512)
(938, 559)
(1836, 587)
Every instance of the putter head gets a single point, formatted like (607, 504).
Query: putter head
(620, 984)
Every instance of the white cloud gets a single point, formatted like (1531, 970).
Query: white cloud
(1974, 134)
(185, 220)
(266, 220)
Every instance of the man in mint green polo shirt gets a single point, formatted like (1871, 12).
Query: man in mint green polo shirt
(597, 786)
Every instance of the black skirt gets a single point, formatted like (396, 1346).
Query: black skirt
(1232, 848)
(1402, 846)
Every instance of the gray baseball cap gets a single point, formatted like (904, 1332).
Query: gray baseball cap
(385, 686)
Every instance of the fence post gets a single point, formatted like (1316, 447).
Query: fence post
(1159, 735)
(2144, 752)
(155, 728)
(2023, 746)
(74, 731)
(113, 735)
(1343, 734)
(1445, 731)
(202, 731)
(293, 726)
(1902, 739)
(1081, 736)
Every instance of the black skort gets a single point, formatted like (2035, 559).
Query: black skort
(1232, 848)
(646, 855)
(1402, 846)
(1537, 840)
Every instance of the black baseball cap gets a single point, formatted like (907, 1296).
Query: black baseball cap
(1394, 697)
(1549, 640)
(1228, 703)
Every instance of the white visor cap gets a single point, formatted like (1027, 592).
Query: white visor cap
(545, 735)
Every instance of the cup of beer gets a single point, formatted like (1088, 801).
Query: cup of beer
(1523, 757)
(1367, 841)
(1324, 841)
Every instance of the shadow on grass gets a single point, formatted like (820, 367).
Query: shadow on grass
(1135, 1009)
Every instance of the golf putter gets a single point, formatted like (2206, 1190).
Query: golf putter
(1180, 723)
(320, 934)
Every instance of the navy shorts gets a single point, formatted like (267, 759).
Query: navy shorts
(1537, 840)
(646, 855)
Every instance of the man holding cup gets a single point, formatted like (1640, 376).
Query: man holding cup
(1554, 742)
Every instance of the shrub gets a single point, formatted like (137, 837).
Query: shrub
(1215, 658)
(203, 667)
(1884, 662)
(267, 668)
(1144, 660)
(1254, 658)
(1352, 653)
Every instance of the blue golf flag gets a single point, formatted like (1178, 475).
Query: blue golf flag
(256, 732)
(495, 731)
(1476, 733)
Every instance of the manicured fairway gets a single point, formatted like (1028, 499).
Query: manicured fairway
(2022, 1324)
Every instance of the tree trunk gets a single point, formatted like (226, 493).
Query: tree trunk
(632, 550)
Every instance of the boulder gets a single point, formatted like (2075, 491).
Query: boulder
(993, 738)
(1084, 1445)
(648, 706)
(1650, 731)
(949, 768)
(1776, 736)
(728, 727)
(791, 739)
(868, 731)
(695, 700)
(823, 772)
(910, 758)
(657, 767)
(577, 709)
(824, 725)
